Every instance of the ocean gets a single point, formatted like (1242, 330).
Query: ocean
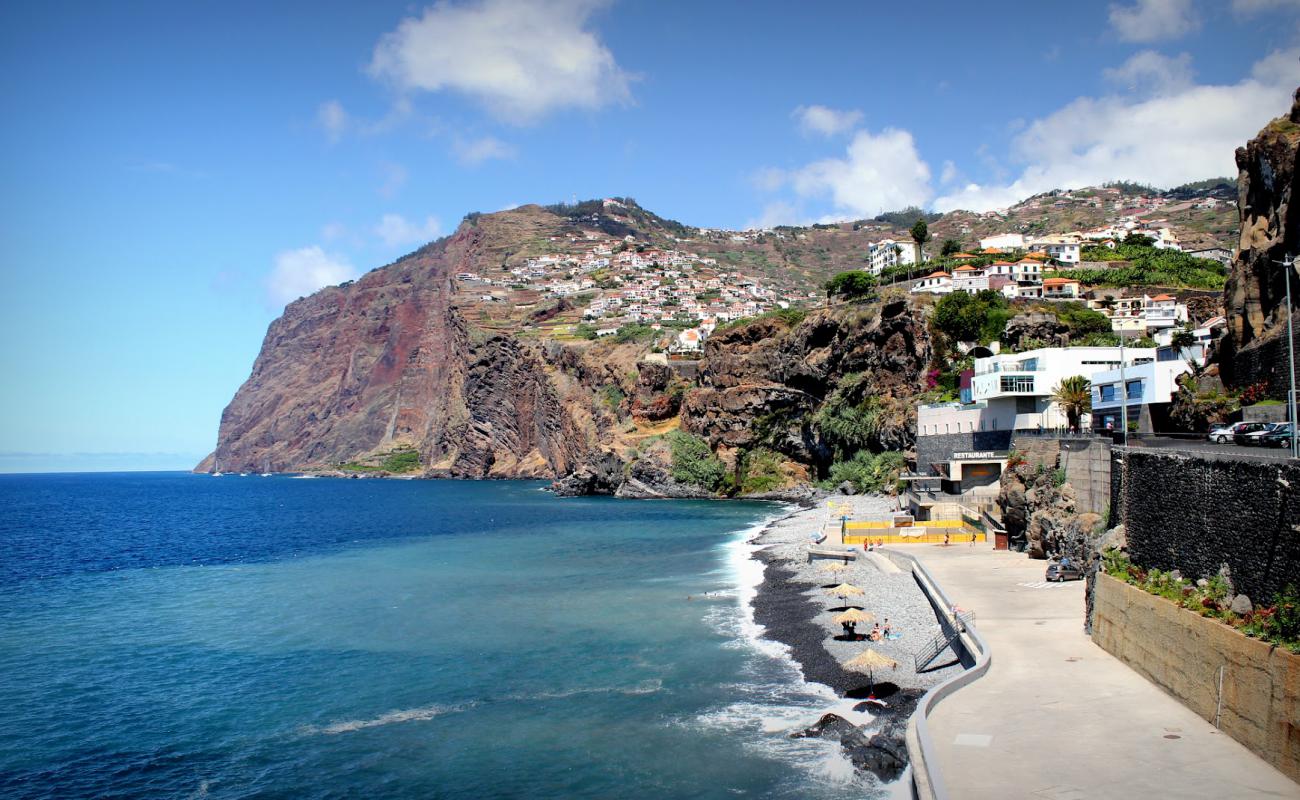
(190, 636)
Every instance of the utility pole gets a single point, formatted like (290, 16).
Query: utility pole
(1289, 263)
(1123, 390)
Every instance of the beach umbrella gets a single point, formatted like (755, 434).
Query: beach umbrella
(835, 566)
(855, 615)
(844, 591)
(867, 661)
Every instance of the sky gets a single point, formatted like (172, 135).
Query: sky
(171, 174)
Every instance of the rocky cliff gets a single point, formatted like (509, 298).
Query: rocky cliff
(1254, 350)
(391, 362)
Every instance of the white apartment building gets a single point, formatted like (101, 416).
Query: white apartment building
(1026, 381)
(889, 253)
(1065, 249)
(1004, 241)
(969, 279)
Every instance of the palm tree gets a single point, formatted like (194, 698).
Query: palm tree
(920, 234)
(1182, 339)
(1074, 395)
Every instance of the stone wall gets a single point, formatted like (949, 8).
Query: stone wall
(1182, 653)
(1195, 513)
(940, 447)
(1086, 463)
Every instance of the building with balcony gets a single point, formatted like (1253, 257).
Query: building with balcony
(935, 283)
(1026, 381)
(889, 253)
(1060, 289)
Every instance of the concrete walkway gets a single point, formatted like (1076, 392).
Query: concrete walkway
(1058, 717)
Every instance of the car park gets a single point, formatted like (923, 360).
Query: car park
(1245, 435)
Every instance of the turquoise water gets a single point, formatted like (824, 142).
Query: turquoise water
(170, 635)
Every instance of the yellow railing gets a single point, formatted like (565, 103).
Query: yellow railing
(871, 525)
(894, 536)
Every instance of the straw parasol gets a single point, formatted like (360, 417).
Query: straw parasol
(844, 590)
(835, 566)
(855, 615)
(867, 661)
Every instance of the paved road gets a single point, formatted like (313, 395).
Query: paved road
(1058, 717)
(1203, 448)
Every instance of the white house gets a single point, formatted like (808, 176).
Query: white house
(1004, 241)
(938, 282)
(1060, 289)
(1062, 248)
(969, 279)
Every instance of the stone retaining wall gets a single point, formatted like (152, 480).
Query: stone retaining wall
(1182, 653)
(1194, 514)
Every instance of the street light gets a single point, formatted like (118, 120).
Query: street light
(1289, 263)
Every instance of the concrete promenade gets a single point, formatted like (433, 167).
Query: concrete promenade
(1058, 717)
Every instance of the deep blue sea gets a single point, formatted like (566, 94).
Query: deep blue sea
(190, 636)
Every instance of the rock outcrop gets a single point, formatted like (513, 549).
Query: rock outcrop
(1254, 350)
(389, 361)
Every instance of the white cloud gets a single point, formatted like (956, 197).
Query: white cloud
(397, 231)
(776, 213)
(520, 58)
(333, 118)
(879, 172)
(475, 151)
(298, 273)
(1152, 20)
(1251, 7)
(1180, 133)
(948, 173)
(1150, 72)
(331, 231)
(824, 121)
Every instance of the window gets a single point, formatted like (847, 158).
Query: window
(1017, 383)
(1108, 393)
(1135, 390)
(1026, 405)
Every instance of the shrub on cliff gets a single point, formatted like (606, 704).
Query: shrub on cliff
(852, 285)
(694, 462)
(972, 318)
(759, 471)
(867, 471)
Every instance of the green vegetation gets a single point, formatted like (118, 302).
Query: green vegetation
(1148, 266)
(1277, 624)
(907, 217)
(584, 330)
(634, 333)
(845, 425)
(949, 247)
(396, 462)
(612, 396)
(852, 285)
(694, 462)
(1074, 396)
(867, 471)
(759, 470)
(920, 234)
(972, 318)
(790, 316)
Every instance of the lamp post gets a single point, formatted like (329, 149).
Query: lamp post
(1123, 390)
(1289, 263)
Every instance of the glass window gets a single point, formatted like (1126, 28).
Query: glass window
(1108, 393)
(1135, 390)
(1017, 383)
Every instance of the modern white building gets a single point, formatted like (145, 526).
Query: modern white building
(1025, 381)
(889, 253)
(1065, 249)
(1146, 388)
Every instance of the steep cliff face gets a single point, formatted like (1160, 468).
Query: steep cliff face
(1254, 350)
(761, 384)
(390, 362)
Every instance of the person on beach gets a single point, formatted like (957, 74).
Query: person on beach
(972, 540)
(886, 628)
(945, 540)
(875, 633)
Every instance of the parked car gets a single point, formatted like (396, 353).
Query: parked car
(1064, 570)
(1280, 436)
(1223, 434)
(1243, 435)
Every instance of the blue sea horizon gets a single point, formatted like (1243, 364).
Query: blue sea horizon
(175, 635)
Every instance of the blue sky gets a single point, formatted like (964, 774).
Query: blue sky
(173, 173)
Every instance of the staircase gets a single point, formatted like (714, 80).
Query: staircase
(942, 641)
